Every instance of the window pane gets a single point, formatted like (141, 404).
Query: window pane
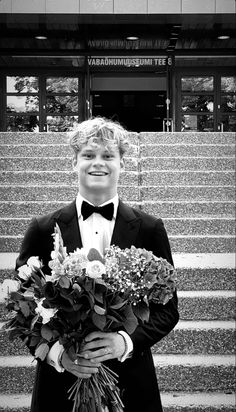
(197, 103)
(24, 84)
(62, 85)
(228, 103)
(61, 123)
(22, 104)
(229, 122)
(198, 123)
(62, 104)
(228, 84)
(194, 83)
(18, 123)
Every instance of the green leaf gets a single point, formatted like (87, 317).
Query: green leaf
(34, 340)
(99, 321)
(16, 296)
(34, 320)
(94, 254)
(118, 305)
(131, 321)
(47, 333)
(42, 351)
(99, 310)
(141, 310)
(24, 307)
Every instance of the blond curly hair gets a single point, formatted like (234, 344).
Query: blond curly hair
(99, 130)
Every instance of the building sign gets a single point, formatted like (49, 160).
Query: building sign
(120, 44)
(126, 61)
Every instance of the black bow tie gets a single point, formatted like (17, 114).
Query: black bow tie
(106, 211)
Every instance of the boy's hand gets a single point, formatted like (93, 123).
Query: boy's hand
(101, 346)
(79, 366)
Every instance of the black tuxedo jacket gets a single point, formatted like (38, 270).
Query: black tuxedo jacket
(137, 377)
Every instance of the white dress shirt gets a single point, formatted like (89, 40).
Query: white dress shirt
(96, 232)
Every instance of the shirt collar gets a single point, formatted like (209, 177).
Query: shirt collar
(80, 199)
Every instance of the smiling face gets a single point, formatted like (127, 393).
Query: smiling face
(98, 167)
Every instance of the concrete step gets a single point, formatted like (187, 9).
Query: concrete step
(198, 402)
(174, 227)
(186, 192)
(164, 209)
(202, 244)
(177, 178)
(145, 193)
(173, 178)
(54, 177)
(193, 305)
(188, 337)
(188, 279)
(195, 272)
(195, 372)
(50, 163)
(192, 373)
(43, 150)
(143, 137)
(194, 209)
(198, 138)
(206, 279)
(147, 163)
(23, 138)
(185, 244)
(146, 150)
(56, 192)
(187, 150)
(183, 163)
(172, 402)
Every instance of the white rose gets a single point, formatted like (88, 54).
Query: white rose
(24, 272)
(46, 313)
(34, 263)
(8, 286)
(95, 269)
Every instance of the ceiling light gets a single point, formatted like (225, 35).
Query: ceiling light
(41, 37)
(223, 37)
(132, 38)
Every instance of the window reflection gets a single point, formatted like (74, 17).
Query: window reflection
(62, 85)
(22, 84)
(196, 83)
(21, 123)
(229, 122)
(61, 123)
(197, 103)
(194, 123)
(22, 104)
(228, 103)
(228, 84)
(61, 104)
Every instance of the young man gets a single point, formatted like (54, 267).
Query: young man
(99, 146)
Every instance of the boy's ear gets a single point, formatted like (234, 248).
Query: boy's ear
(122, 163)
(74, 163)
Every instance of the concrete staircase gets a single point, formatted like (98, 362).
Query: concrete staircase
(188, 180)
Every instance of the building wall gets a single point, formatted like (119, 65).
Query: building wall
(118, 6)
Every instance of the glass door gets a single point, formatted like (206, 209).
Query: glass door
(227, 104)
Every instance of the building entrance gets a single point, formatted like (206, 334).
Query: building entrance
(136, 110)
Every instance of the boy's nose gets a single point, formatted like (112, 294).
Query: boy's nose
(98, 161)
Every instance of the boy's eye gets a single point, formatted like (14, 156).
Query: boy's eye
(108, 156)
(87, 155)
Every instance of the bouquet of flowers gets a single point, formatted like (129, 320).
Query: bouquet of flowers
(85, 292)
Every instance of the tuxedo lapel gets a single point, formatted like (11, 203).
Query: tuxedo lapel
(68, 223)
(126, 227)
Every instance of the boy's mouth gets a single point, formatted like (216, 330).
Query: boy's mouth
(98, 173)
